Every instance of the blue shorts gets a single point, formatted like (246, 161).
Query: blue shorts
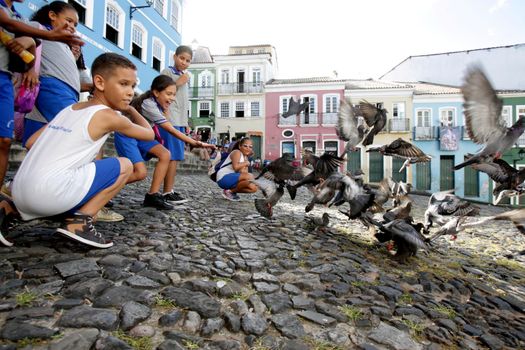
(133, 149)
(54, 96)
(173, 144)
(7, 105)
(107, 172)
(229, 181)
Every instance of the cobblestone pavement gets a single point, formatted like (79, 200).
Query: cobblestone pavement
(213, 274)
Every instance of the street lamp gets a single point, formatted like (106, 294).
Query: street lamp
(135, 8)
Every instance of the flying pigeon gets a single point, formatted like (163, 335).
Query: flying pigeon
(485, 125)
(320, 223)
(400, 148)
(265, 206)
(510, 181)
(452, 227)
(445, 203)
(375, 118)
(347, 127)
(295, 108)
(517, 216)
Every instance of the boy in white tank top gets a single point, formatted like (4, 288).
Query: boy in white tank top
(59, 174)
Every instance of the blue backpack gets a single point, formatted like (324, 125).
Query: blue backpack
(216, 164)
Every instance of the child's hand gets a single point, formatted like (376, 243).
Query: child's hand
(183, 79)
(65, 35)
(15, 45)
(30, 79)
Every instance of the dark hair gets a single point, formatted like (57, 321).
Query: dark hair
(241, 142)
(42, 15)
(184, 49)
(106, 64)
(81, 64)
(160, 83)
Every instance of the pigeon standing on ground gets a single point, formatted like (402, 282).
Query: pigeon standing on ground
(347, 128)
(485, 125)
(295, 108)
(320, 223)
(375, 118)
(402, 149)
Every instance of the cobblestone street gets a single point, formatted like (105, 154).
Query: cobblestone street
(214, 274)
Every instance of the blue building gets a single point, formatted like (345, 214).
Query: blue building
(439, 131)
(148, 35)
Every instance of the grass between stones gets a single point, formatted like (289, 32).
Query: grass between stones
(190, 345)
(416, 329)
(26, 298)
(30, 342)
(510, 264)
(445, 310)
(351, 312)
(139, 343)
(405, 299)
(164, 303)
(316, 344)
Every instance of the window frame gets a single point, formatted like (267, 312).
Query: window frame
(174, 4)
(121, 22)
(508, 119)
(396, 105)
(162, 52)
(224, 103)
(258, 108)
(454, 115)
(144, 46)
(422, 109)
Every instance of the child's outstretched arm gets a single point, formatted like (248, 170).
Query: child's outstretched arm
(108, 120)
(181, 136)
(21, 28)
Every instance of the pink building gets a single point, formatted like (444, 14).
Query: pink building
(314, 130)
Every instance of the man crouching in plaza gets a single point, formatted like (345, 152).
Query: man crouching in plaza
(59, 174)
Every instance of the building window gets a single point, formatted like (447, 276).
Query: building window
(288, 147)
(284, 104)
(204, 109)
(225, 76)
(205, 80)
(471, 182)
(174, 17)
(331, 103)
(137, 40)
(158, 49)
(225, 109)
(506, 114)
(310, 146)
(80, 6)
(312, 104)
(331, 147)
(112, 24)
(256, 76)
(255, 109)
(159, 6)
(375, 166)
(288, 133)
(423, 117)
(520, 111)
(398, 110)
(239, 109)
(423, 179)
(447, 116)
(397, 163)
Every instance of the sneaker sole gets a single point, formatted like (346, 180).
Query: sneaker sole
(226, 197)
(82, 240)
(5, 241)
(109, 220)
(178, 202)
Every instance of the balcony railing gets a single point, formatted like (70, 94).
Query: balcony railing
(289, 121)
(240, 88)
(521, 141)
(309, 119)
(202, 92)
(399, 125)
(425, 133)
(464, 133)
(329, 118)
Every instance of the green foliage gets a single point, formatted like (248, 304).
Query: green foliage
(415, 328)
(351, 312)
(316, 344)
(405, 299)
(26, 298)
(446, 310)
(138, 343)
(190, 345)
(164, 303)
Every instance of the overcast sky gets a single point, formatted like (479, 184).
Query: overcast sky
(358, 39)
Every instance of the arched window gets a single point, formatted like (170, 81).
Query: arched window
(139, 40)
(158, 55)
(114, 29)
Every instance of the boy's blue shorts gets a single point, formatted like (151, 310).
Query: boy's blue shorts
(173, 144)
(133, 149)
(229, 181)
(107, 172)
(7, 105)
(30, 127)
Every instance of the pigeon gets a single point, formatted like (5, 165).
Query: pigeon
(483, 120)
(323, 167)
(382, 194)
(320, 223)
(517, 216)
(294, 108)
(357, 196)
(265, 206)
(375, 118)
(283, 170)
(347, 128)
(452, 227)
(401, 211)
(400, 148)
(445, 203)
(406, 237)
(326, 190)
(510, 181)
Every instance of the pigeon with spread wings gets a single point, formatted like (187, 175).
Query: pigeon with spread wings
(294, 108)
(400, 148)
(443, 205)
(347, 127)
(375, 118)
(485, 125)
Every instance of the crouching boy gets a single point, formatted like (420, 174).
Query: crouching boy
(59, 174)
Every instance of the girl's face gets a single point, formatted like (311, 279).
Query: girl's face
(67, 18)
(166, 96)
(246, 148)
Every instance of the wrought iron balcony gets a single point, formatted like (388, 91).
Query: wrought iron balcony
(399, 125)
(202, 92)
(425, 132)
(240, 88)
(289, 121)
(329, 118)
(309, 119)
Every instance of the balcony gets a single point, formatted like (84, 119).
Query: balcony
(311, 119)
(399, 125)
(288, 121)
(425, 133)
(329, 119)
(521, 141)
(240, 88)
(202, 92)
(464, 133)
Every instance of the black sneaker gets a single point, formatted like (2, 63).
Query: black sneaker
(174, 197)
(3, 226)
(156, 200)
(80, 228)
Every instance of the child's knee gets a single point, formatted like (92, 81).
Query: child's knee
(126, 167)
(164, 156)
(5, 143)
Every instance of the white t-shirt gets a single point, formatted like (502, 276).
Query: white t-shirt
(58, 171)
(227, 166)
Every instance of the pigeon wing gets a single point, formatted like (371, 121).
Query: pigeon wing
(346, 127)
(403, 149)
(482, 108)
(497, 171)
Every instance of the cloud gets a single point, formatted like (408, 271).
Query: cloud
(499, 4)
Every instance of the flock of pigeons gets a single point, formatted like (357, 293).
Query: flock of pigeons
(394, 225)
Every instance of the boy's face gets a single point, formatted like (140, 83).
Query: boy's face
(182, 61)
(117, 87)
